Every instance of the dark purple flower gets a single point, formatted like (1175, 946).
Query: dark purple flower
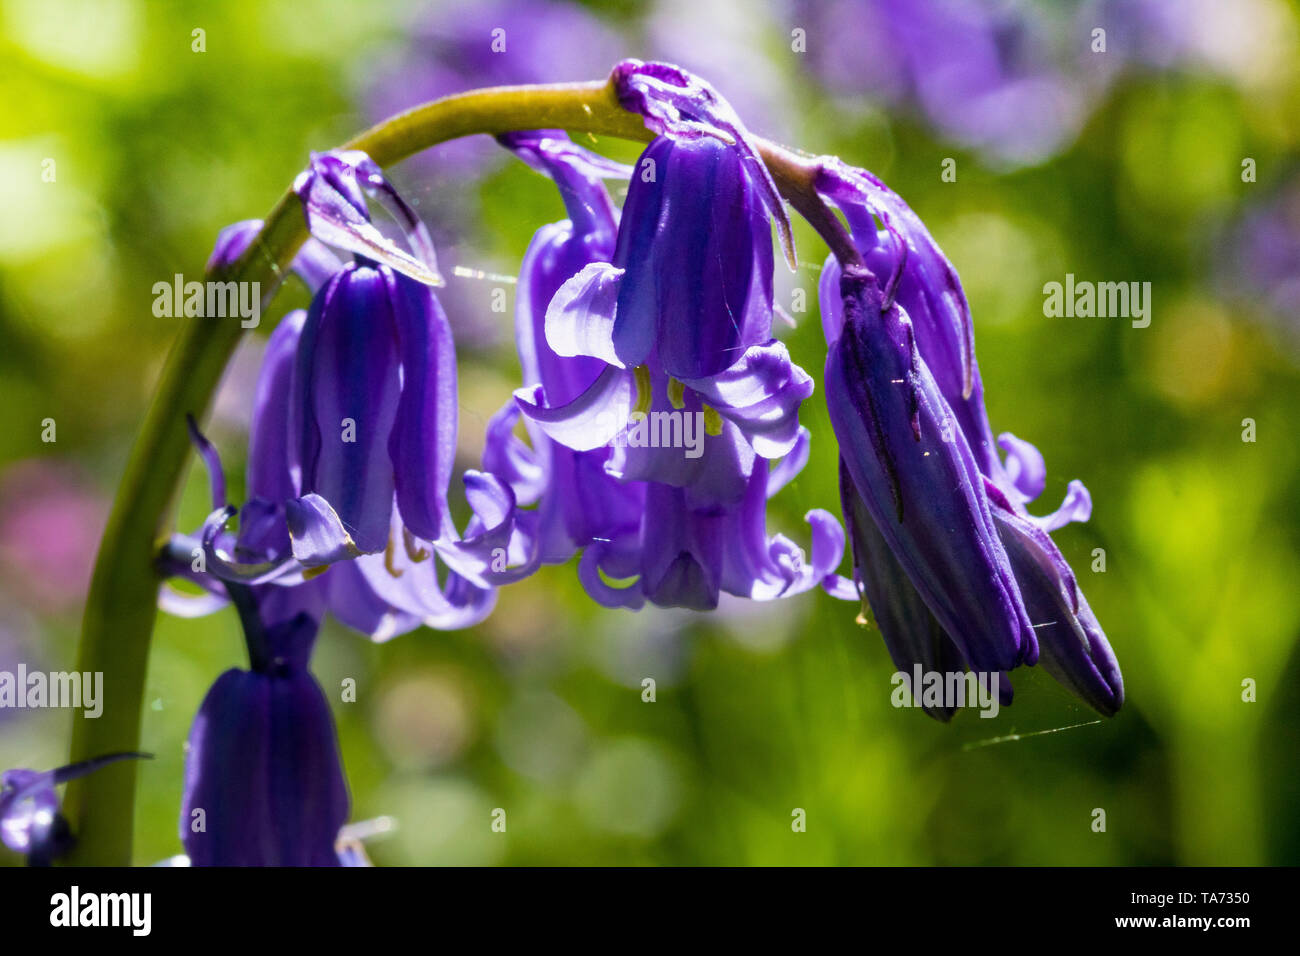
(1074, 650)
(697, 246)
(30, 820)
(919, 481)
(373, 411)
(264, 784)
(911, 634)
(353, 441)
(921, 283)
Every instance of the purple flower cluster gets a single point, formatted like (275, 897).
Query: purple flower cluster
(661, 415)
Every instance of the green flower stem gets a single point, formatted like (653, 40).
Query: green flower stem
(122, 604)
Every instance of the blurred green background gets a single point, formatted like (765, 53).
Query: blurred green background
(760, 709)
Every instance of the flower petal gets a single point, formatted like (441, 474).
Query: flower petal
(422, 444)
(1024, 465)
(761, 394)
(317, 532)
(332, 191)
(590, 420)
(580, 318)
(920, 482)
(912, 635)
(348, 388)
(1074, 648)
(1077, 506)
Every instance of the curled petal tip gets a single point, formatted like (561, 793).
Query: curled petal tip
(332, 191)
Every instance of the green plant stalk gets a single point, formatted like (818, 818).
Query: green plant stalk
(121, 607)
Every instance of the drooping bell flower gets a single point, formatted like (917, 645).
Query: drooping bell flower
(912, 635)
(692, 356)
(691, 278)
(926, 287)
(1075, 650)
(31, 822)
(259, 555)
(918, 480)
(353, 440)
(373, 410)
(374, 401)
(578, 501)
(361, 593)
(264, 784)
(922, 280)
(665, 336)
(687, 260)
(684, 554)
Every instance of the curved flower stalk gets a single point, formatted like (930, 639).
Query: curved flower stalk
(911, 599)
(30, 819)
(264, 782)
(670, 330)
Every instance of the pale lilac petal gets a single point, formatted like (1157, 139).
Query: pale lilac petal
(1077, 506)
(317, 532)
(332, 193)
(1024, 465)
(590, 420)
(580, 318)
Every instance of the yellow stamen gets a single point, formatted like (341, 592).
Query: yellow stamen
(676, 393)
(644, 394)
(390, 552)
(413, 550)
(712, 421)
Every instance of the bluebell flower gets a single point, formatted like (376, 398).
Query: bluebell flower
(264, 783)
(918, 479)
(1074, 649)
(353, 440)
(31, 822)
(578, 501)
(921, 286)
(676, 327)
